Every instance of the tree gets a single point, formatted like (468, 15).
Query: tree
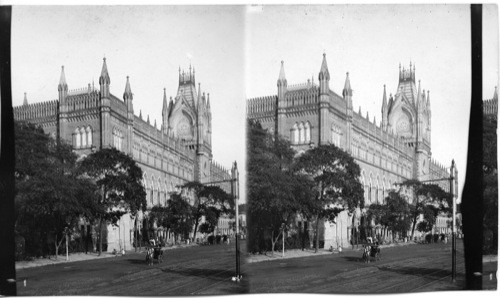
(490, 182)
(212, 215)
(335, 175)
(429, 199)
(276, 195)
(119, 180)
(207, 198)
(50, 198)
(179, 217)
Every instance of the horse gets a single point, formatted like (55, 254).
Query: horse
(153, 253)
(371, 251)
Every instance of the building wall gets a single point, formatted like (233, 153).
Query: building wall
(166, 159)
(391, 151)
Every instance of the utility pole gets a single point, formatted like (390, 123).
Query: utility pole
(235, 192)
(453, 228)
(454, 215)
(235, 189)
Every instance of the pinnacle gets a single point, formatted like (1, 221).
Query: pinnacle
(282, 71)
(62, 81)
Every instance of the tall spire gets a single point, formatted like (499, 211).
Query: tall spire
(323, 73)
(495, 94)
(419, 93)
(282, 79)
(104, 78)
(165, 105)
(62, 81)
(347, 86)
(428, 103)
(128, 92)
(25, 101)
(384, 101)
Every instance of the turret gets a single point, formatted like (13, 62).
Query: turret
(282, 83)
(324, 77)
(62, 88)
(282, 88)
(384, 111)
(164, 112)
(128, 97)
(324, 103)
(104, 80)
(347, 94)
(347, 91)
(25, 101)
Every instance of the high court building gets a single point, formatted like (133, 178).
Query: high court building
(170, 154)
(394, 150)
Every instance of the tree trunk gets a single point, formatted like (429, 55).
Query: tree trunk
(353, 229)
(135, 232)
(316, 246)
(197, 221)
(67, 252)
(414, 224)
(100, 236)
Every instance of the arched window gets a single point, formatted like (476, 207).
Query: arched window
(89, 136)
(77, 138)
(307, 129)
(301, 133)
(84, 137)
(294, 134)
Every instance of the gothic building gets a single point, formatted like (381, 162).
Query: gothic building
(178, 151)
(490, 106)
(391, 151)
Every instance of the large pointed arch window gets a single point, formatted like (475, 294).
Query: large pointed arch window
(294, 134)
(301, 133)
(77, 138)
(83, 135)
(335, 135)
(89, 136)
(307, 132)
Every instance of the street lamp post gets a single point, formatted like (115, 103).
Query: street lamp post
(235, 192)
(454, 214)
(453, 228)
(235, 189)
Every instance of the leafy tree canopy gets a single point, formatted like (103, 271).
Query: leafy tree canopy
(119, 178)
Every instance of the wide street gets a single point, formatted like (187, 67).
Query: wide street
(411, 268)
(198, 270)
(207, 270)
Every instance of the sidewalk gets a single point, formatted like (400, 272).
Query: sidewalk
(80, 256)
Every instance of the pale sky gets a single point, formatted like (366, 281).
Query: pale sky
(147, 43)
(236, 51)
(369, 42)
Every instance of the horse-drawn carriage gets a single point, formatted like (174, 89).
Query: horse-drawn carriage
(154, 253)
(371, 251)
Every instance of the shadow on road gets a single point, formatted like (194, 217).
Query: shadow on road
(352, 259)
(417, 271)
(211, 274)
(137, 261)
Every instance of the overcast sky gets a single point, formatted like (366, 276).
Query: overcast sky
(147, 43)
(369, 42)
(236, 51)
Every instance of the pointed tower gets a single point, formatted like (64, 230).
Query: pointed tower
(25, 101)
(347, 94)
(282, 89)
(164, 113)
(324, 102)
(105, 107)
(63, 105)
(384, 111)
(128, 97)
